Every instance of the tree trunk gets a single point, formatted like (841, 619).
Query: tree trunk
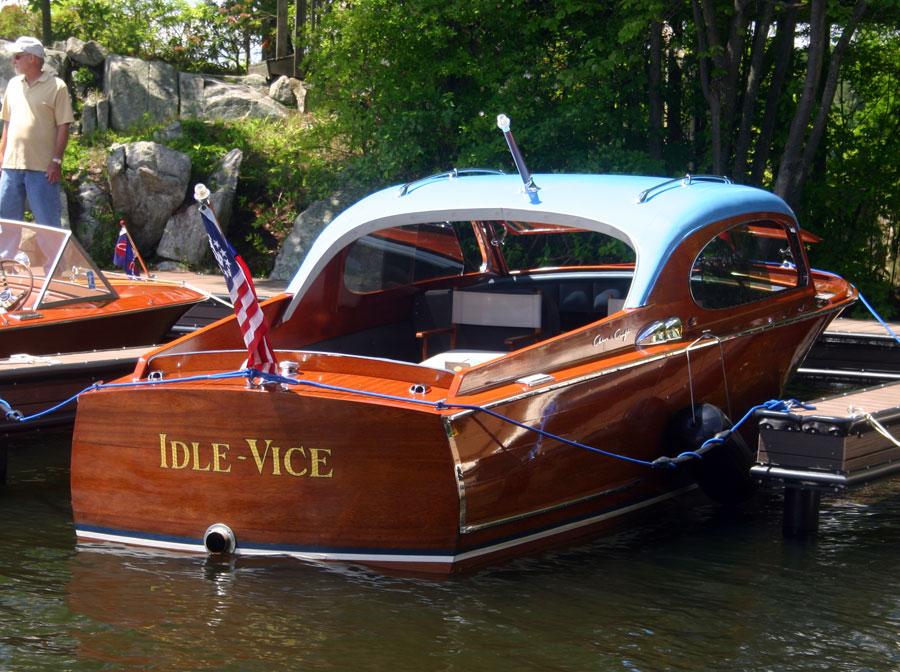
(751, 93)
(792, 157)
(720, 88)
(781, 66)
(795, 189)
(281, 29)
(655, 107)
(46, 26)
(706, 85)
(674, 91)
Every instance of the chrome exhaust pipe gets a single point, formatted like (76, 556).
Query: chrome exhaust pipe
(219, 539)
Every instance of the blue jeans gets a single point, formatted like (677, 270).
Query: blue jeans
(43, 197)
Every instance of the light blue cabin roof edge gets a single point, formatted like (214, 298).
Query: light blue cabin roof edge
(605, 203)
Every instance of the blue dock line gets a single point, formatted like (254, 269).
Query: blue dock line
(251, 374)
(878, 317)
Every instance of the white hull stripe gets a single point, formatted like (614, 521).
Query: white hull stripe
(172, 544)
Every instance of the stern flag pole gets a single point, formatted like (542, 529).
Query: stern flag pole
(249, 314)
(126, 251)
(531, 188)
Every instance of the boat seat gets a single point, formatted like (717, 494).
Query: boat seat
(485, 321)
(457, 360)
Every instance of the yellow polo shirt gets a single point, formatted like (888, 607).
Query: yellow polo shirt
(32, 114)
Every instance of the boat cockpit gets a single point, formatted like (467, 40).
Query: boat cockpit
(45, 267)
(455, 294)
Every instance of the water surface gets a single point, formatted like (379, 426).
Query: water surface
(694, 588)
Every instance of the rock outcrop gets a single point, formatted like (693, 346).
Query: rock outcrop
(307, 226)
(148, 181)
(184, 238)
(139, 91)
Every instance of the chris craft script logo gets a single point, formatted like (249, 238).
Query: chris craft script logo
(266, 456)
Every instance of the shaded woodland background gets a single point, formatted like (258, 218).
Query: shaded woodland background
(797, 97)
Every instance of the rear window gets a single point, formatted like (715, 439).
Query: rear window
(746, 263)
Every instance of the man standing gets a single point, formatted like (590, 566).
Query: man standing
(36, 113)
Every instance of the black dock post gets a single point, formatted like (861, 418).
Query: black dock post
(801, 510)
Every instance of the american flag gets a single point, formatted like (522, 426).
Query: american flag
(250, 316)
(124, 256)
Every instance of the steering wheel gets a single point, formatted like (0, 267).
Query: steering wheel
(11, 297)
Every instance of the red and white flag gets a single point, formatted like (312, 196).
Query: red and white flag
(250, 316)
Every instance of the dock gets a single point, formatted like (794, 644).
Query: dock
(841, 442)
(856, 351)
(218, 305)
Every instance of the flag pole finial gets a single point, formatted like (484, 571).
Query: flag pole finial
(201, 193)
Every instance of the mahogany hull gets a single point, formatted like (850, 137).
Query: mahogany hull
(80, 329)
(332, 475)
(32, 387)
(83, 329)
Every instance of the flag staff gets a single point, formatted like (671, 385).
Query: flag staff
(134, 247)
(249, 314)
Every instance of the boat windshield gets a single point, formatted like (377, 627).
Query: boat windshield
(529, 246)
(52, 261)
(404, 255)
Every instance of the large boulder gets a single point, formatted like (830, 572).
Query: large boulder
(307, 227)
(215, 99)
(94, 114)
(289, 91)
(88, 53)
(92, 204)
(139, 91)
(185, 237)
(148, 181)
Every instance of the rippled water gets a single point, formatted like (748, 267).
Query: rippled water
(695, 589)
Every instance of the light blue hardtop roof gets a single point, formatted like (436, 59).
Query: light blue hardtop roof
(605, 203)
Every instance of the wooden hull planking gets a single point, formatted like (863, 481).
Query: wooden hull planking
(335, 476)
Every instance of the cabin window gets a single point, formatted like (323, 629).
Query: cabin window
(404, 255)
(531, 246)
(746, 263)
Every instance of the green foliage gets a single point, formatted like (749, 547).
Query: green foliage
(402, 89)
(282, 171)
(416, 87)
(855, 205)
(16, 21)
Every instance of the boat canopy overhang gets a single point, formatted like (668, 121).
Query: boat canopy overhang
(653, 223)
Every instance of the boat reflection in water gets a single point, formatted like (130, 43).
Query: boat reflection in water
(54, 300)
(455, 355)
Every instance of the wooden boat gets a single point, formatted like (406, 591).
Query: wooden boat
(55, 301)
(470, 372)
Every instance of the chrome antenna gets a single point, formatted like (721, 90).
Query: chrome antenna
(530, 187)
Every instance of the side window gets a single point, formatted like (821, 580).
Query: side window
(746, 263)
(404, 255)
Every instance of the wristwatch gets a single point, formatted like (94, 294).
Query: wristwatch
(56, 160)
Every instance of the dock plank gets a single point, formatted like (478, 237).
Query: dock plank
(846, 326)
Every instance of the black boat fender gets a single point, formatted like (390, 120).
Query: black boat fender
(721, 468)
